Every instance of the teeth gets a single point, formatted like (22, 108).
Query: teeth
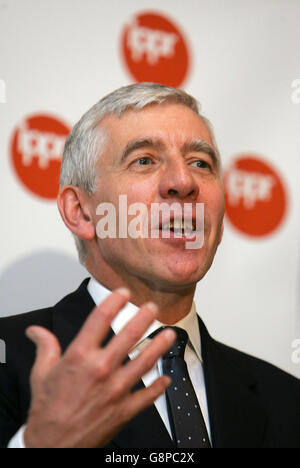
(178, 226)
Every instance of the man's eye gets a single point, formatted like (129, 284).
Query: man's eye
(201, 164)
(143, 161)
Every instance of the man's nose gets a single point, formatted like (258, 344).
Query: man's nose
(178, 182)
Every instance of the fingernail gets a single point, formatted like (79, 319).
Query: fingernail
(168, 381)
(165, 382)
(170, 335)
(151, 306)
(29, 334)
(123, 292)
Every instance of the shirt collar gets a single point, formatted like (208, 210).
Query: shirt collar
(189, 323)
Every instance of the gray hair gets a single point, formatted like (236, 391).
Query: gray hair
(83, 146)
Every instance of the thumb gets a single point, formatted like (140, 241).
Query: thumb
(48, 351)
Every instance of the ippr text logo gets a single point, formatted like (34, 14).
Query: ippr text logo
(155, 49)
(155, 44)
(2, 91)
(256, 197)
(36, 151)
(2, 352)
(249, 187)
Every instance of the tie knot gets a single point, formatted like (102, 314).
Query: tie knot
(179, 346)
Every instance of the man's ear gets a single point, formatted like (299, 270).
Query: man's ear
(75, 212)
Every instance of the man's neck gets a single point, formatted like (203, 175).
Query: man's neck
(174, 304)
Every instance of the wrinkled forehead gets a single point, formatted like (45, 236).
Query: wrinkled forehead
(171, 117)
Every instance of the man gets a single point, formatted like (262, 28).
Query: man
(97, 378)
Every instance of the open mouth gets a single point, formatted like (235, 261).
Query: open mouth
(182, 228)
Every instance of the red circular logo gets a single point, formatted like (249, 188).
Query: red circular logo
(256, 201)
(36, 151)
(155, 50)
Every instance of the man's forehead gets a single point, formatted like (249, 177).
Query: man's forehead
(146, 126)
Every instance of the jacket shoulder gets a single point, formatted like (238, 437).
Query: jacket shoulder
(18, 352)
(17, 324)
(258, 368)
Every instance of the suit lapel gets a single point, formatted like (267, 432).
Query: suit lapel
(146, 430)
(70, 314)
(236, 419)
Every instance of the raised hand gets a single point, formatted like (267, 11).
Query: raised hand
(83, 398)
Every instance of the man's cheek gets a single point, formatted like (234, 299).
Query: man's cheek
(217, 207)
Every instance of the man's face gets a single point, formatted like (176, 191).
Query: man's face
(151, 156)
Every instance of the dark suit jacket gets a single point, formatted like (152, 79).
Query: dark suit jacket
(251, 403)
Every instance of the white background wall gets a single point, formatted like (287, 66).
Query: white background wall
(61, 56)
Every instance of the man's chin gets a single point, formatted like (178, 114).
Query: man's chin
(179, 277)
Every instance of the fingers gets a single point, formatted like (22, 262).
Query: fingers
(119, 347)
(48, 350)
(98, 323)
(142, 399)
(133, 371)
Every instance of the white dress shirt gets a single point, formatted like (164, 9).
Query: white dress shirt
(192, 357)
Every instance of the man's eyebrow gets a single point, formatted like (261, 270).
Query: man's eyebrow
(201, 146)
(140, 143)
(197, 145)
